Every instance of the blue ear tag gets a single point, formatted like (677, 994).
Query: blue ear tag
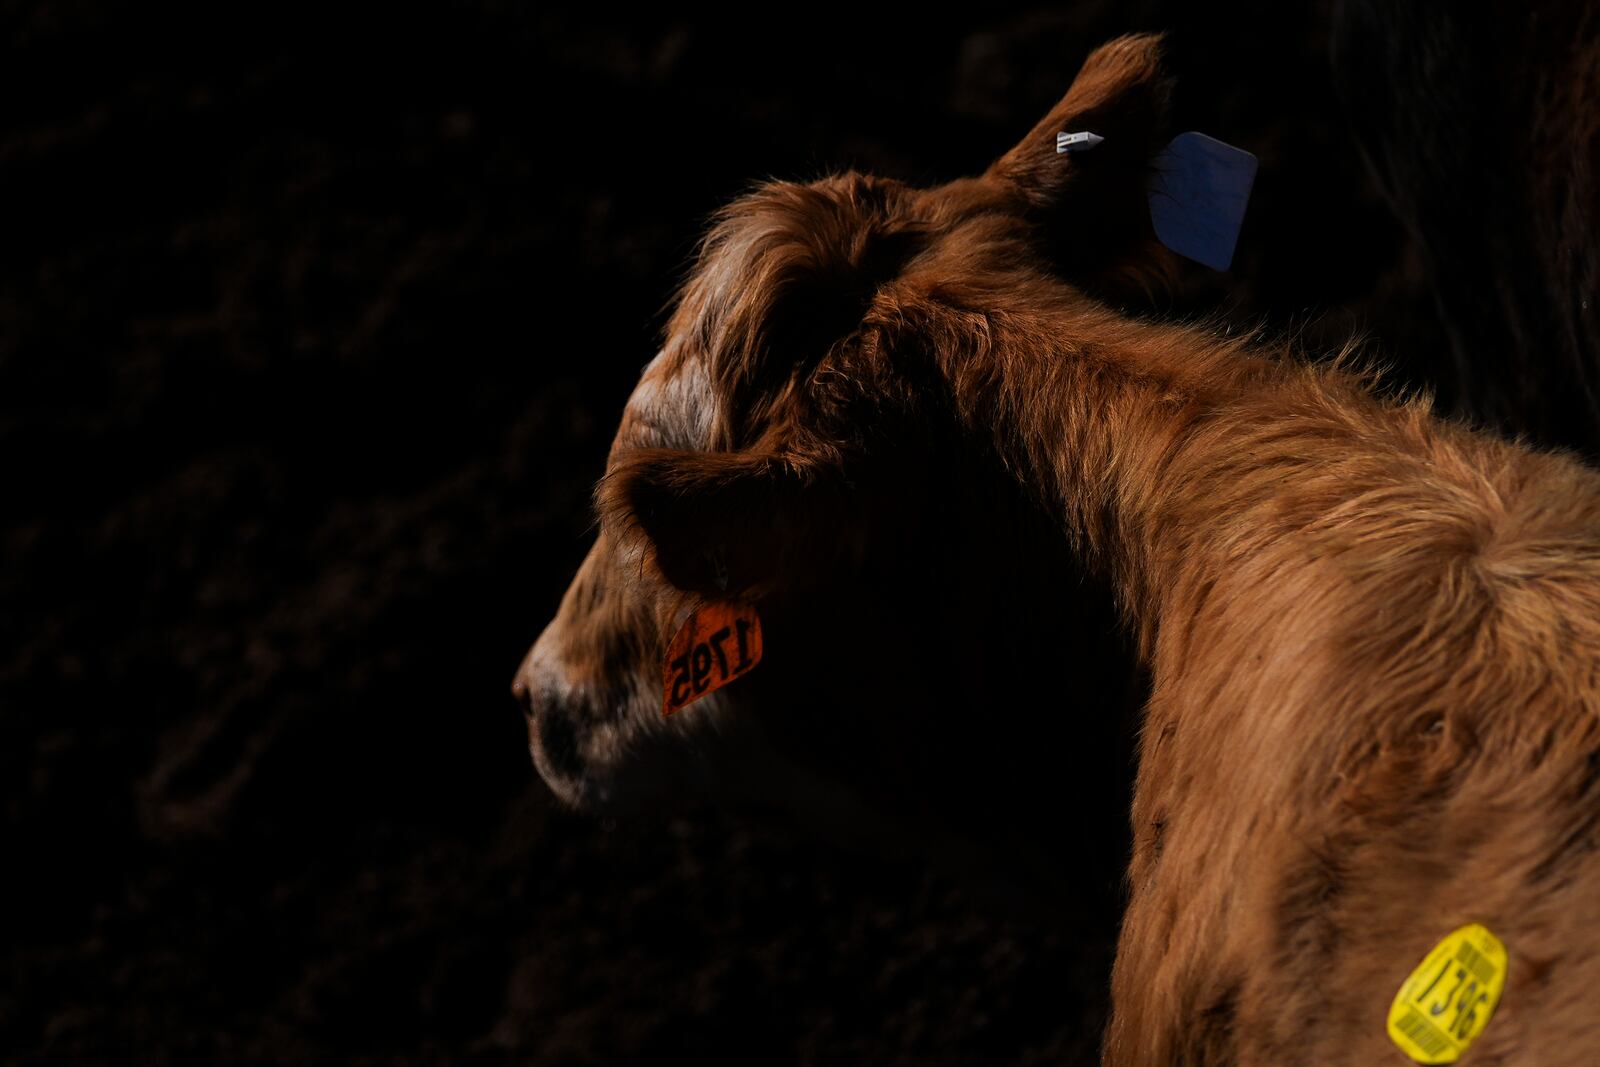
(1198, 194)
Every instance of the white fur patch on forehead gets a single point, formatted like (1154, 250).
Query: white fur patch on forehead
(674, 408)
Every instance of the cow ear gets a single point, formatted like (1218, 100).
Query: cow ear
(1090, 204)
(728, 523)
(1121, 95)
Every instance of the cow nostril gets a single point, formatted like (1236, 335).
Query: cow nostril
(558, 750)
(519, 692)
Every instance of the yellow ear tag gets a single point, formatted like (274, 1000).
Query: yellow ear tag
(717, 644)
(1446, 1002)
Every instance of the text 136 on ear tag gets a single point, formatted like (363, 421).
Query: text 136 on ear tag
(1449, 998)
(717, 644)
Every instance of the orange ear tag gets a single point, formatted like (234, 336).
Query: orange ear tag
(718, 643)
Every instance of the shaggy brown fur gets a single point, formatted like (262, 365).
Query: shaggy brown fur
(1375, 639)
(1372, 635)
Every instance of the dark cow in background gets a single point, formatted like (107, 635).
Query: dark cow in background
(1372, 636)
(1482, 125)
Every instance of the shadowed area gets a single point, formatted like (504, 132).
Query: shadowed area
(314, 329)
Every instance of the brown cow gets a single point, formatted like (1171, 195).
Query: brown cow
(1371, 635)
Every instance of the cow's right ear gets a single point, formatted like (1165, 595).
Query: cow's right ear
(1090, 205)
(728, 523)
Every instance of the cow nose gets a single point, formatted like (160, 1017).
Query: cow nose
(522, 692)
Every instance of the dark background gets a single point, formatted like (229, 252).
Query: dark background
(314, 326)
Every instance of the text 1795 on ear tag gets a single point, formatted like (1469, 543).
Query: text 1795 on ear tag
(717, 644)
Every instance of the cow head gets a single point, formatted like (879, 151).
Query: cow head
(922, 652)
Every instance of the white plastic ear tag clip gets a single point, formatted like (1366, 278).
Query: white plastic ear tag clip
(1076, 142)
(1198, 191)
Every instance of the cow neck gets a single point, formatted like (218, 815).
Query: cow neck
(1170, 454)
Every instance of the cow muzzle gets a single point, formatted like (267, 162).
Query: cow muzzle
(557, 721)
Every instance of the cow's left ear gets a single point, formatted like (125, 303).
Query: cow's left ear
(1090, 203)
(729, 523)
